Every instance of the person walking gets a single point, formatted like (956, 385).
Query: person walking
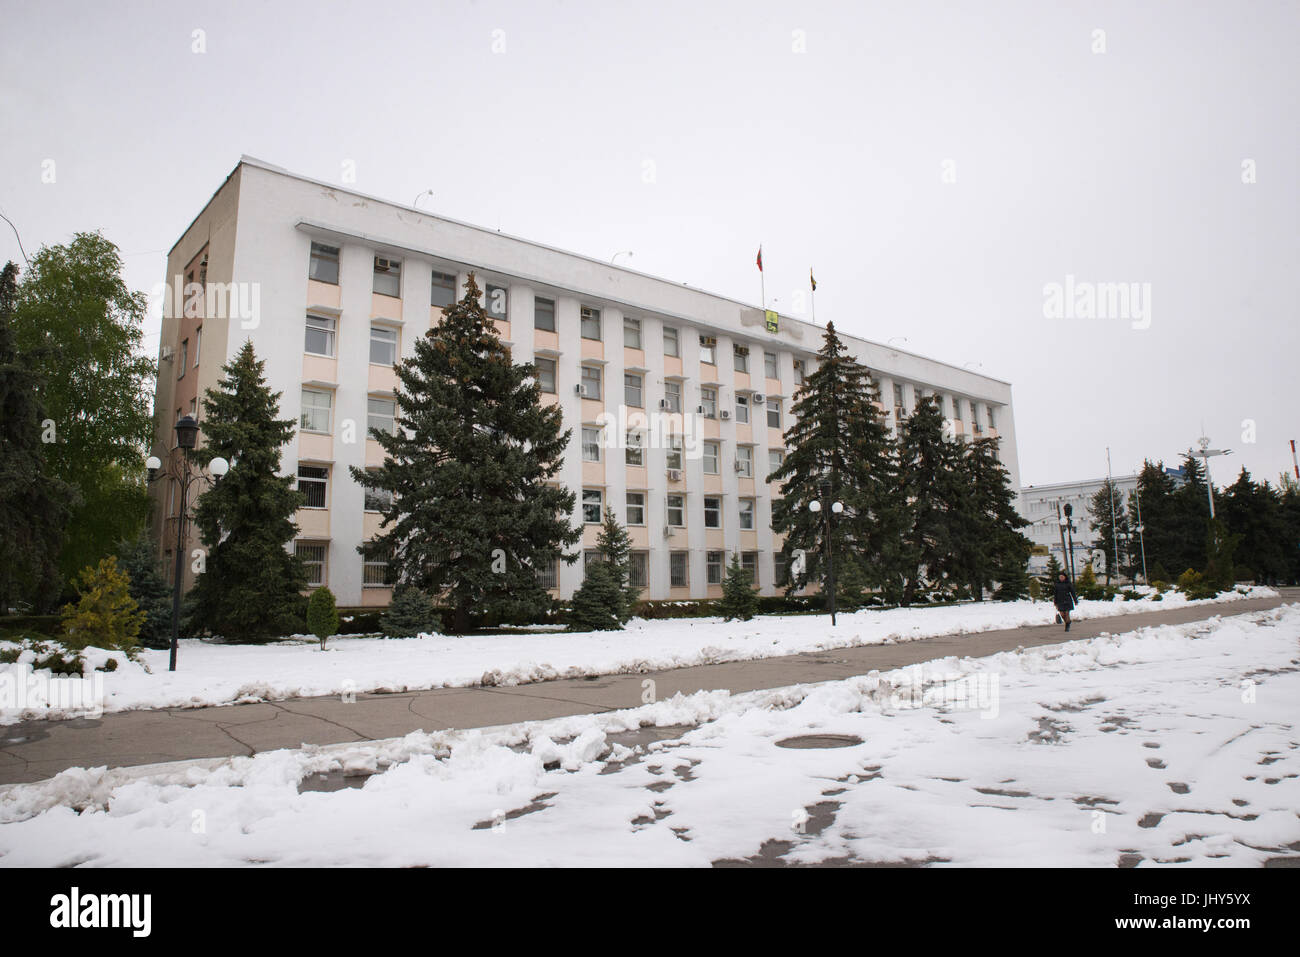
(1064, 599)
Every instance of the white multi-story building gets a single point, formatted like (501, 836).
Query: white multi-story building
(333, 286)
(1044, 507)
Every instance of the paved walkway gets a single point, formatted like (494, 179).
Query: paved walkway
(36, 750)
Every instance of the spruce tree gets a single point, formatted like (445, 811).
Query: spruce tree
(615, 547)
(472, 470)
(838, 439)
(739, 594)
(322, 615)
(598, 603)
(1053, 574)
(139, 561)
(411, 613)
(252, 584)
(931, 484)
(1103, 527)
(34, 505)
(987, 541)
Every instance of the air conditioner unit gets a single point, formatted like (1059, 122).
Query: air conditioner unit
(759, 398)
(674, 475)
(383, 265)
(167, 353)
(663, 403)
(577, 389)
(699, 409)
(739, 467)
(668, 531)
(725, 414)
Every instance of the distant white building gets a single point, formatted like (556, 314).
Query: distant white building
(1044, 507)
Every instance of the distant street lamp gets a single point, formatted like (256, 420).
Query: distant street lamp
(626, 252)
(1067, 526)
(1205, 454)
(180, 470)
(832, 509)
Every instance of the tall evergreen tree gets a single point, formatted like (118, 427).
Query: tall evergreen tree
(1254, 512)
(138, 559)
(931, 485)
(615, 547)
(80, 330)
(739, 593)
(1105, 528)
(34, 505)
(1154, 499)
(252, 583)
(1190, 519)
(471, 469)
(989, 546)
(838, 438)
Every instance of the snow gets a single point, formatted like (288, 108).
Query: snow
(1164, 745)
(216, 674)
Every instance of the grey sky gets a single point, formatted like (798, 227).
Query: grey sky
(1122, 166)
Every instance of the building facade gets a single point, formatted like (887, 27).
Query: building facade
(1043, 506)
(332, 287)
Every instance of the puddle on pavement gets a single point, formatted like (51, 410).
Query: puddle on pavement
(820, 741)
(333, 781)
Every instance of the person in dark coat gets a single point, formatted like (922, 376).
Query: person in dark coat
(1064, 599)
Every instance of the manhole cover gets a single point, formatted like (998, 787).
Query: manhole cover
(820, 741)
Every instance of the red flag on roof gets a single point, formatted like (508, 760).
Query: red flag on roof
(760, 259)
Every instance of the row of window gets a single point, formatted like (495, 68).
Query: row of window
(320, 339)
(375, 572)
(593, 509)
(592, 378)
(900, 411)
(324, 267)
(316, 414)
(593, 442)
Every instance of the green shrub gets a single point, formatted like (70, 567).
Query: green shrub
(600, 601)
(361, 621)
(1160, 586)
(105, 615)
(1195, 586)
(322, 615)
(739, 595)
(411, 613)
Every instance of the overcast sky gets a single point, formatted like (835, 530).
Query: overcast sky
(937, 164)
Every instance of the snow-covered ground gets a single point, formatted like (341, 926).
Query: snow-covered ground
(214, 674)
(1169, 744)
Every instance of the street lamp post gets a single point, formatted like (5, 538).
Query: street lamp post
(1067, 524)
(179, 469)
(831, 509)
(1137, 500)
(1205, 454)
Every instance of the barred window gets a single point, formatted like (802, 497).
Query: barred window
(313, 482)
(677, 569)
(548, 576)
(314, 558)
(713, 568)
(640, 572)
(377, 570)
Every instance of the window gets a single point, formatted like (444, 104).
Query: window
(898, 401)
(198, 344)
(749, 562)
(708, 345)
(746, 514)
(590, 444)
(775, 459)
(590, 323)
(673, 395)
(745, 461)
(712, 512)
(769, 365)
(324, 264)
(443, 291)
(377, 499)
(185, 357)
(632, 390)
(677, 569)
(544, 314)
(671, 345)
(313, 482)
(194, 408)
(991, 423)
(591, 502)
(673, 458)
(548, 576)
(494, 301)
(388, 276)
(956, 408)
(798, 372)
(545, 373)
(713, 567)
(709, 402)
(320, 336)
(781, 569)
(741, 358)
(742, 408)
(773, 413)
(712, 452)
(975, 420)
(632, 333)
(591, 382)
(383, 345)
(636, 508)
(634, 453)
(377, 570)
(315, 410)
(313, 555)
(677, 511)
(381, 415)
(639, 576)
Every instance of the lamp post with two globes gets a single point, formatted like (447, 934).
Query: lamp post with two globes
(180, 469)
(831, 509)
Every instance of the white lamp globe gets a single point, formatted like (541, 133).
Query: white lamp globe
(153, 463)
(837, 507)
(218, 467)
(814, 506)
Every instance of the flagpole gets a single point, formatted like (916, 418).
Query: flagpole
(762, 281)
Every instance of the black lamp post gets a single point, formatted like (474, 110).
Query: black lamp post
(831, 509)
(179, 468)
(1069, 528)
